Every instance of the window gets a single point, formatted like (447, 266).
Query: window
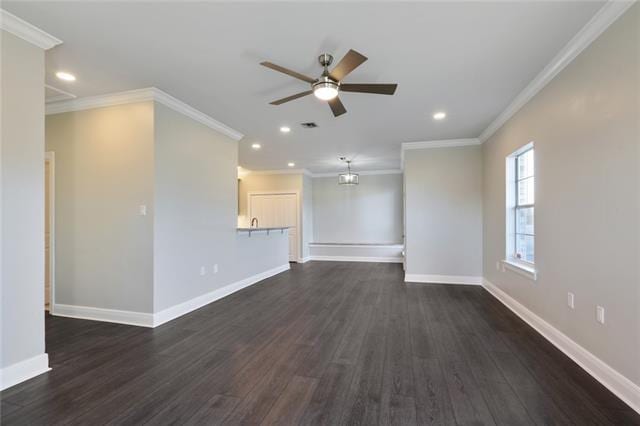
(521, 206)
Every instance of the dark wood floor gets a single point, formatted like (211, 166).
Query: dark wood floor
(326, 343)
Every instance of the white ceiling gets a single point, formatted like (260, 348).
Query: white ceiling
(469, 59)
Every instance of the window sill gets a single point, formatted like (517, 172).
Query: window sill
(520, 269)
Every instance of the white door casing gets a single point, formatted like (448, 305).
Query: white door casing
(276, 209)
(49, 230)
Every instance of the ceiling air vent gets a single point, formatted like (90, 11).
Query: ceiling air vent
(309, 125)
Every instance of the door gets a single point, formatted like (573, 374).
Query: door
(273, 210)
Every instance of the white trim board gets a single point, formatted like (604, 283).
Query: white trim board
(622, 387)
(321, 175)
(142, 95)
(444, 143)
(23, 370)
(361, 173)
(24, 30)
(50, 156)
(357, 259)
(442, 279)
(61, 95)
(279, 172)
(606, 16)
(365, 246)
(141, 319)
(200, 301)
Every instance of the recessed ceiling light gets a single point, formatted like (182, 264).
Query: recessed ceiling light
(291, 164)
(285, 129)
(65, 76)
(439, 115)
(256, 146)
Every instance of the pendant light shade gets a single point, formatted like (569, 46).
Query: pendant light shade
(348, 178)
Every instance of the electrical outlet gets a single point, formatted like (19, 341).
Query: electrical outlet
(215, 268)
(570, 300)
(203, 270)
(600, 314)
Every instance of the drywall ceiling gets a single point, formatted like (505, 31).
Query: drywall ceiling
(469, 59)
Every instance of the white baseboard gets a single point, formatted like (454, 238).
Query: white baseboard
(357, 259)
(23, 370)
(141, 319)
(304, 259)
(198, 302)
(622, 387)
(443, 279)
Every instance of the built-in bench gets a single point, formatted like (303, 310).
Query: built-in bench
(357, 252)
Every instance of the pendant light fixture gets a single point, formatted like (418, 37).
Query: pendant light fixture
(347, 178)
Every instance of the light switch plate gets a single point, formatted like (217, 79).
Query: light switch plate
(600, 314)
(203, 270)
(571, 300)
(142, 209)
(215, 268)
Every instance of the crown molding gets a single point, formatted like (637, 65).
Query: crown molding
(181, 107)
(100, 101)
(280, 172)
(361, 173)
(606, 16)
(142, 95)
(24, 30)
(61, 96)
(445, 143)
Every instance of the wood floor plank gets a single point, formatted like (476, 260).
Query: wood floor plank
(323, 343)
(433, 403)
(328, 401)
(293, 401)
(210, 413)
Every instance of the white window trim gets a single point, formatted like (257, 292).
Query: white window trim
(518, 266)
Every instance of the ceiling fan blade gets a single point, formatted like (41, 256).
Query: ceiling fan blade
(288, 72)
(378, 89)
(336, 107)
(292, 97)
(348, 63)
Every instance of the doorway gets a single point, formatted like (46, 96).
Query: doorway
(277, 209)
(49, 213)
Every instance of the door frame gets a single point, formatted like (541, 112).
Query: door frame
(298, 214)
(50, 156)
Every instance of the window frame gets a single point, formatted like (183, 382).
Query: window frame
(517, 207)
(511, 262)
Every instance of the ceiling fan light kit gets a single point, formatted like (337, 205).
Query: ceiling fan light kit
(329, 84)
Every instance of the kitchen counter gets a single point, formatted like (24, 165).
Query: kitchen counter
(267, 230)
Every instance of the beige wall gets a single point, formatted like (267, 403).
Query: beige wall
(195, 214)
(260, 183)
(109, 161)
(307, 214)
(279, 182)
(585, 126)
(22, 201)
(443, 211)
(370, 212)
(104, 172)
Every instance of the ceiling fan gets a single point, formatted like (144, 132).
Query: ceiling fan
(329, 84)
